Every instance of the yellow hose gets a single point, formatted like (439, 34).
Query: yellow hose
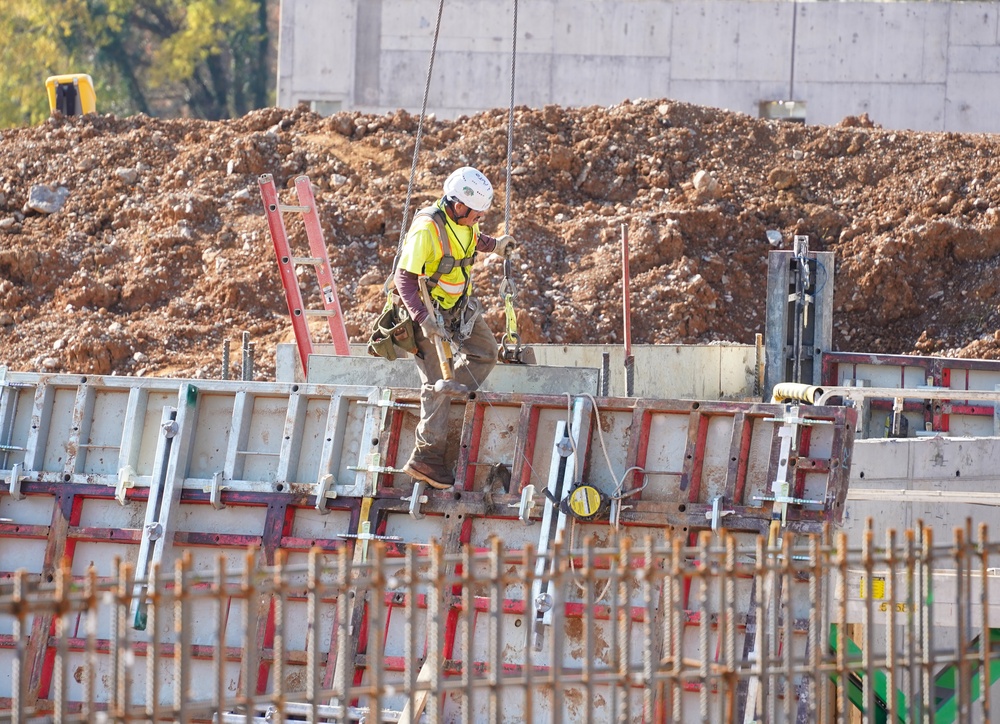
(795, 391)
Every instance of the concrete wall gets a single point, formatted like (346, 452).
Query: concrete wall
(918, 65)
(680, 371)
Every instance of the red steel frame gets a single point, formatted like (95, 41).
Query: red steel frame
(937, 371)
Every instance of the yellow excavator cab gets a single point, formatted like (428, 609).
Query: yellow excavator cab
(71, 95)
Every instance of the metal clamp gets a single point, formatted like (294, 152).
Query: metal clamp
(527, 504)
(716, 514)
(324, 488)
(15, 482)
(416, 499)
(215, 491)
(126, 480)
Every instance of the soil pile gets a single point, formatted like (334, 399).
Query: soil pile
(138, 245)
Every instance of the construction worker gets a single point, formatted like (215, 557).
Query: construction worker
(438, 252)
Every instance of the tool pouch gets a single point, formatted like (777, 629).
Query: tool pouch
(393, 328)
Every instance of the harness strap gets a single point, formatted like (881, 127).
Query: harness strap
(448, 261)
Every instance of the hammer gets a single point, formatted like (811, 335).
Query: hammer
(448, 385)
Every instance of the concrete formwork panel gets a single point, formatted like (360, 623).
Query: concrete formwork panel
(941, 481)
(245, 471)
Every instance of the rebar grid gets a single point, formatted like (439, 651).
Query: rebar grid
(787, 628)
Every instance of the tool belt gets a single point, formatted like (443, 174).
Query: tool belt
(393, 328)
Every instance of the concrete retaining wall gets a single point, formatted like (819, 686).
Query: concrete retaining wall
(910, 65)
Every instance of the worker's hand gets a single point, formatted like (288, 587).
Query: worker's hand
(506, 245)
(431, 328)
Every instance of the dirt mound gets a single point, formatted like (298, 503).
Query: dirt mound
(149, 247)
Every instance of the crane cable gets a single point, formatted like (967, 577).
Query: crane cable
(416, 148)
(507, 290)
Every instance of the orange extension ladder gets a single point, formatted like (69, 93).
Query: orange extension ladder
(318, 260)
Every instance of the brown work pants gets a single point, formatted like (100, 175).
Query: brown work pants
(473, 362)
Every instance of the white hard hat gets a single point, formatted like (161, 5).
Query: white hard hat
(471, 187)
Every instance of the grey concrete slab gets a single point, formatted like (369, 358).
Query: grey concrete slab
(530, 379)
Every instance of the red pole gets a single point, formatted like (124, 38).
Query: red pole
(629, 367)
(625, 291)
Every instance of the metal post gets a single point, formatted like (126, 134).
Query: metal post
(627, 307)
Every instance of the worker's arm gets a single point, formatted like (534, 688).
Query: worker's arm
(486, 243)
(409, 291)
(498, 245)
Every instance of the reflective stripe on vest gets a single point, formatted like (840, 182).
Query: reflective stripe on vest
(448, 261)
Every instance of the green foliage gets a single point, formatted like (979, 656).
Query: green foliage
(203, 58)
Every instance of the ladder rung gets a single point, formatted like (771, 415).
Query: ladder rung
(315, 261)
(319, 312)
(303, 209)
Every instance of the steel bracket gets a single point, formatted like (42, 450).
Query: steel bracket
(215, 491)
(716, 514)
(527, 504)
(126, 480)
(416, 499)
(324, 490)
(15, 482)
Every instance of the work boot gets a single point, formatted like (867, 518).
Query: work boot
(437, 476)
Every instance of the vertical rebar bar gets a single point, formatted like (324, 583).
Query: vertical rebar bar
(676, 633)
(985, 653)
(153, 598)
(649, 631)
(925, 603)
(816, 644)
(434, 664)
(868, 593)
(411, 658)
(314, 585)
(913, 676)
(248, 594)
(278, 599)
(496, 635)
(624, 621)
(704, 619)
(787, 616)
(468, 635)
(62, 581)
(891, 679)
(528, 560)
(729, 629)
(90, 647)
(182, 645)
(221, 621)
(962, 621)
(843, 667)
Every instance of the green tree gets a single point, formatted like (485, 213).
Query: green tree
(203, 58)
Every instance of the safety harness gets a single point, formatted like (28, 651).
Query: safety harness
(448, 260)
(394, 328)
